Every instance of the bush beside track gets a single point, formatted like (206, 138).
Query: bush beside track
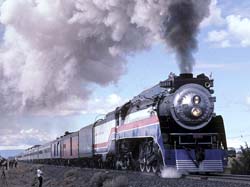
(241, 164)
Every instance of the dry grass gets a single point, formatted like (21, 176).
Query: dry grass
(105, 180)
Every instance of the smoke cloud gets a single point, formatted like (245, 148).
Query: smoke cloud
(52, 51)
(182, 26)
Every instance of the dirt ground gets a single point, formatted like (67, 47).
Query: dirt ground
(59, 176)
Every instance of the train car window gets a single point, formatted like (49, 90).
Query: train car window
(63, 149)
(70, 146)
(55, 150)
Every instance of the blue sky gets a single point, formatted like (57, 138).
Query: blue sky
(224, 43)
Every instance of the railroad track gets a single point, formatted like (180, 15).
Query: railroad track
(243, 179)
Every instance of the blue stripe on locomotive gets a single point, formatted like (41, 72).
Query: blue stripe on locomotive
(185, 160)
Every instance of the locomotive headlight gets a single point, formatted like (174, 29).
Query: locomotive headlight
(196, 99)
(196, 112)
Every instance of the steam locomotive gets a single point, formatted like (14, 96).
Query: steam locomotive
(172, 124)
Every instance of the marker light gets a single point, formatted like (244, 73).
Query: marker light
(196, 99)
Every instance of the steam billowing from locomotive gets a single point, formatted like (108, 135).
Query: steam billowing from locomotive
(53, 50)
(182, 25)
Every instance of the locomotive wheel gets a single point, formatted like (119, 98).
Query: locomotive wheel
(142, 159)
(157, 166)
(148, 168)
(142, 167)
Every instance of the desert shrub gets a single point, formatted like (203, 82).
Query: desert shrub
(72, 172)
(101, 179)
(119, 181)
(98, 179)
(241, 165)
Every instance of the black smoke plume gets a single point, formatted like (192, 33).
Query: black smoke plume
(182, 26)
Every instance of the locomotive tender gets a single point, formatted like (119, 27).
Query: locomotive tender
(172, 124)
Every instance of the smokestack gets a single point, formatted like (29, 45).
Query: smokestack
(186, 75)
(181, 29)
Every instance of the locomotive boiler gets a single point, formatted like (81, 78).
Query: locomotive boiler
(172, 124)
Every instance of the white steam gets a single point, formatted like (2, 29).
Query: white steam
(168, 172)
(53, 50)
